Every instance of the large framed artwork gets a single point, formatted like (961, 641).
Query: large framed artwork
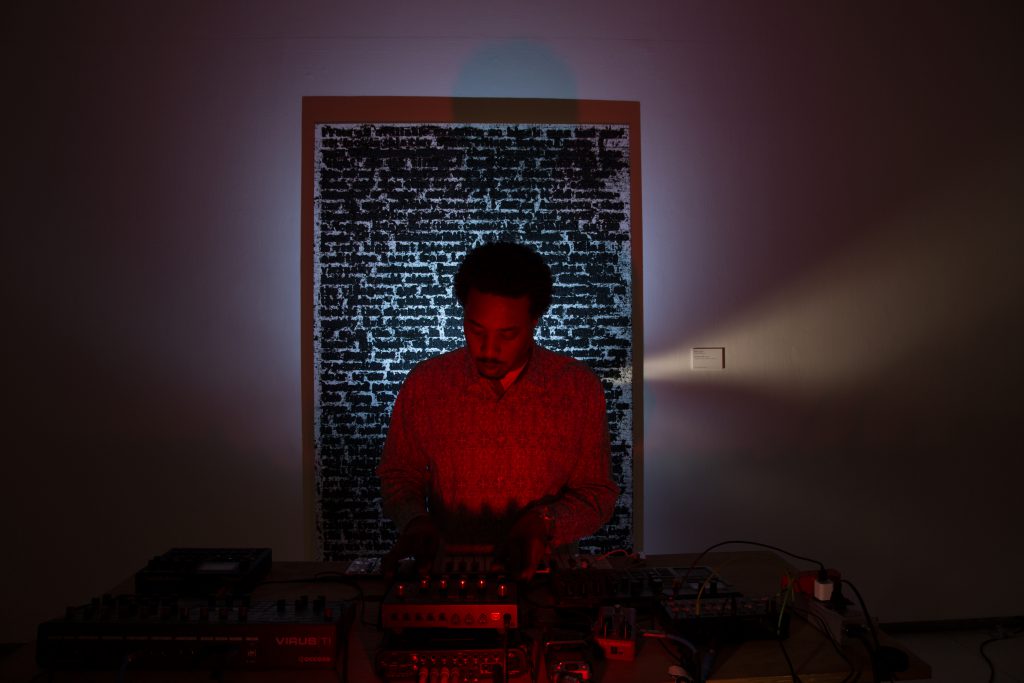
(395, 191)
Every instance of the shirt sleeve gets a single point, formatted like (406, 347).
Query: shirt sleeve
(404, 469)
(588, 499)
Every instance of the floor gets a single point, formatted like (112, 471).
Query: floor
(955, 657)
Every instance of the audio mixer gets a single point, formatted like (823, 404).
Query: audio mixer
(457, 624)
(471, 662)
(588, 586)
(459, 601)
(733, 619)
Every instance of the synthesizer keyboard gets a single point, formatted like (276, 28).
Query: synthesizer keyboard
(170, 633)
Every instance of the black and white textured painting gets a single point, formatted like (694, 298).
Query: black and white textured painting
(396, 207)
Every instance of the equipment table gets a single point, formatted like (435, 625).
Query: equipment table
(754, 573)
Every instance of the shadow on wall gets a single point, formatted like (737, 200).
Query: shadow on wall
(517, 68)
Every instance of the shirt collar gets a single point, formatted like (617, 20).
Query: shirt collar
(532, 373)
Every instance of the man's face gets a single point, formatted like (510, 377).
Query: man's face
(499, 332)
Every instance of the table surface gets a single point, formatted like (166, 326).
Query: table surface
(754, 573)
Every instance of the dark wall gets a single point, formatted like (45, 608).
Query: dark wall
(832, 193)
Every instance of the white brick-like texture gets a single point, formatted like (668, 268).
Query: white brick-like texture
(396, 207)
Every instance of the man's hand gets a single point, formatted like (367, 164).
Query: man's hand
(419, 539)
(527, 543)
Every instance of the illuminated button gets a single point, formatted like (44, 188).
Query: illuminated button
(495, 616)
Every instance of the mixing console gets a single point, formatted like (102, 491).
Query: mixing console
(735, 618)
(593, 587)
(463, 601)
(453, 665)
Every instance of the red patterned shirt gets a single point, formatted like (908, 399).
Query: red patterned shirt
(475, 459)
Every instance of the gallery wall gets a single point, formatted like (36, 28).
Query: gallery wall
(830, 193)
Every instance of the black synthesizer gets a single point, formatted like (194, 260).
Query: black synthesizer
(171, 633)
